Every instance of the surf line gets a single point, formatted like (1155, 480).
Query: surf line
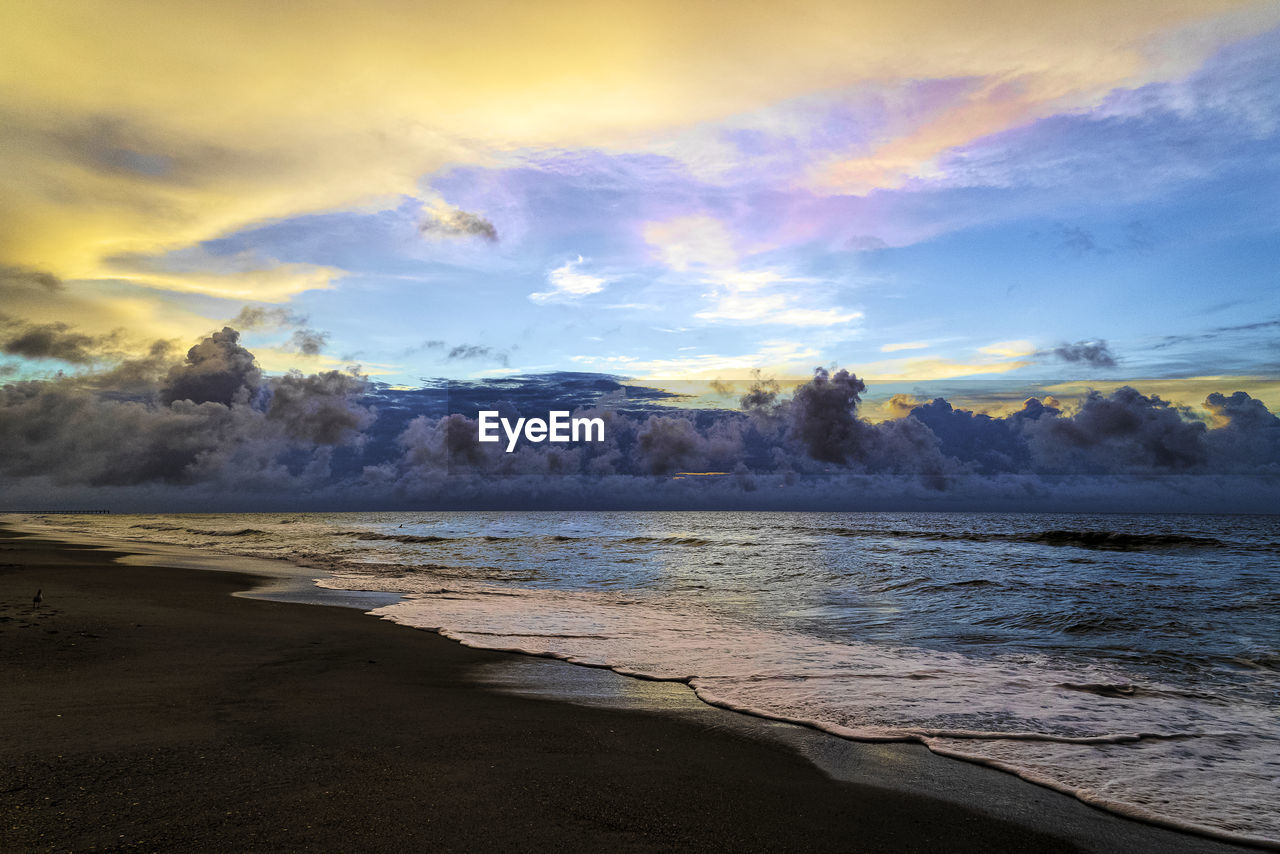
(558, 427)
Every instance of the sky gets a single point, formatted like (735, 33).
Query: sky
(982, 205)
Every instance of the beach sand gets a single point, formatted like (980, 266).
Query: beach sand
(145, 708)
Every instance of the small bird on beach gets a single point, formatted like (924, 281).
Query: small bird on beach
(38, 598)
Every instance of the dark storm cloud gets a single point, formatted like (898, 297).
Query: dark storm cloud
(761, 398)
(1241, 411)
(1249, 438)
(210, 426)
(309, 342)
(669, 443)
(823, 416)
(210, 422)
(458, 223)
(1125, 431)
(989, 444)
(1094, 353)
(320, 408)
(72, 436)
(51, 341)
(216, 370)
(136, 373)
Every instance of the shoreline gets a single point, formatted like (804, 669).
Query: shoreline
(723, 772)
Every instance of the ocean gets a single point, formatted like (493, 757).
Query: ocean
(1132, 661)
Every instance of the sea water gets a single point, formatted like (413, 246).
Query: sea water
(1132, 661)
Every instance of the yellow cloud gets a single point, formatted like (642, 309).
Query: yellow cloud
(114, 307)
(1009, 349)
(904, 345)
(932, 368)
(274, 284)
(277, 361)
(1187, 391)
(137, 127)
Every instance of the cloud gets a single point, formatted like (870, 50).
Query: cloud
(669, 443)
(448, 221)
(937, 368)
(823, 416)
(253, 317)
(135, 374)
(466, 352)
(759, 309)
(217, 370)
(52, 341)
(1125, 431)
(702, 246)
(901, 405)
(319, 408)
(212, 424)
(568, 283)
(782, 357)
(987, 444)
(1009, 349)
(904, 345)
(1248, 436)
(1093, 353)
(1218, 332)
(213, 428)
(21, 277)
(309, 342)
(108, 155)
(277, 283)
(692, 242)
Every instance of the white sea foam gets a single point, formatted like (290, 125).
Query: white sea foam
(1135, 669)
(1188, 762)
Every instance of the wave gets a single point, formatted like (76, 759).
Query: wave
(1108, 540)
(1117, 540)
(670, 541)
(243, 532)
(1176, 736)
(1112, 742)
(201, 532)
(408, 539)
(1127, 691)
(1068, 622)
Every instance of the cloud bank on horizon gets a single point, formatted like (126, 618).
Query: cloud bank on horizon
(1077, 204)
(211, 429)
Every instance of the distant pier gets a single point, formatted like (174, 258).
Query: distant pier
(52, 512)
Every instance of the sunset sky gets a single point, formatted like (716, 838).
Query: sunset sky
(986, 202)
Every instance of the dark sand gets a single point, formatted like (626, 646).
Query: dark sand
(144, 708)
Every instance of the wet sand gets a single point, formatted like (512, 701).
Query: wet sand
(145, 708)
